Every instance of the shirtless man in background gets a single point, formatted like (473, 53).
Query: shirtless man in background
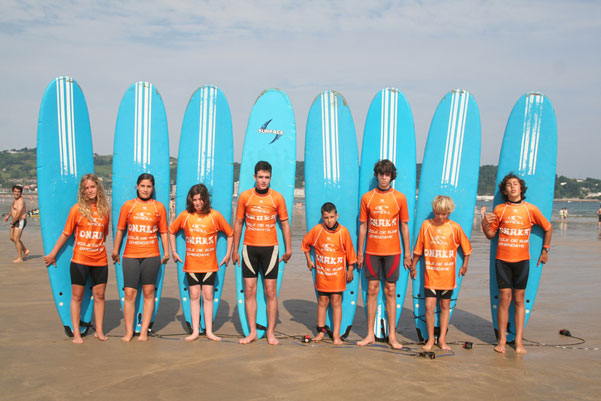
(18, 212)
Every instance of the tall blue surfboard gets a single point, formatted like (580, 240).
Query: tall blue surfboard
(450, 167)
(64, 155)
(270, 136)
(389, 134)
(206, 156)
(141, 146)
(529, 150)
(332, 175)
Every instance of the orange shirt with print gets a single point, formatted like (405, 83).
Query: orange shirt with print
(260, 213)
(438, 244)
(514, 222)
(201, 239)
(383, 211)
(142, 219)
(333, 253)
(90, 236)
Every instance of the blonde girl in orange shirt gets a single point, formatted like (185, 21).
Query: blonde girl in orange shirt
(89, 219)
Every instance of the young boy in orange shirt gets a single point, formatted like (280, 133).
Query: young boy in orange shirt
(334, 259)
(438, 241)
(514, 220)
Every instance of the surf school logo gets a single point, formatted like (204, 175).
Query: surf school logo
(264, 130)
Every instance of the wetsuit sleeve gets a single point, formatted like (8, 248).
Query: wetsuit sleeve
(240, 209)
(464, 241)
(351, 256)
(122, 222)
(107, 220)
(419, 245)
(177, 224)
(403, 210)
(162, 218)
(222, 225)
(364, 213)
(497, 211)
(308, 240)
(538, 218)
(282, 211)
(72, 221)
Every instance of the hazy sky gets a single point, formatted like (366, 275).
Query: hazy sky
(497, 50)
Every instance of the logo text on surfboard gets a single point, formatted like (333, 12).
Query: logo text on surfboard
(264, 130)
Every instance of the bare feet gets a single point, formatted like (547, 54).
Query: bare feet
(271, 340)
(192, 337)
(338, 341)
(429, 345)
(213, 337)
(318, 337)
(77, 340)
(249, 339)
(443, 345)
(18, 260)
(370, 339)
(519, 349)
(127, 337)
(394, 344)
(143, 337)
(100, 335)
(26, 254)
(500, 348)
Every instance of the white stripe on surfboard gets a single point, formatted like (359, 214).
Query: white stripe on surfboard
(142, 123)
(329, 136)
(455, 134)
(66, 126)
(388, 125)
(206, 134)
(531, 133)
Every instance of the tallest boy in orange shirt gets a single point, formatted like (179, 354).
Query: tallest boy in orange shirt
(383, 212)
(260, 207)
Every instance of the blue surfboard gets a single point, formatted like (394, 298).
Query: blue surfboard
(450, 167)
(389, 134)
(141, 146)
(529, 150)
(332, 175)
(206, 156)
(64, 155)
(270, 136)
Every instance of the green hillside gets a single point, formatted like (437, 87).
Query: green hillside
(19, 166)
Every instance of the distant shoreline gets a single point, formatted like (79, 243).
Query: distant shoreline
(481, 198)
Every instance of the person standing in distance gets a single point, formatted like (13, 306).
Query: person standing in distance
(383, 212)
(260, 207)
(18, 212)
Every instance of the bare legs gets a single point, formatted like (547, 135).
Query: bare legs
(250, 298)
(98, 292)
(322, 307)
(503, 315)
(129, 311)
(22, 251)
(372, 302)
(207, 303)
(77, 293)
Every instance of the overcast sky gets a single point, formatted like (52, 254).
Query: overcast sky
(497, 50)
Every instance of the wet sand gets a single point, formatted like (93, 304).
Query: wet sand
(37, 360)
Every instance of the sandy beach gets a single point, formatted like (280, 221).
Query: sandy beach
(39, 362)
